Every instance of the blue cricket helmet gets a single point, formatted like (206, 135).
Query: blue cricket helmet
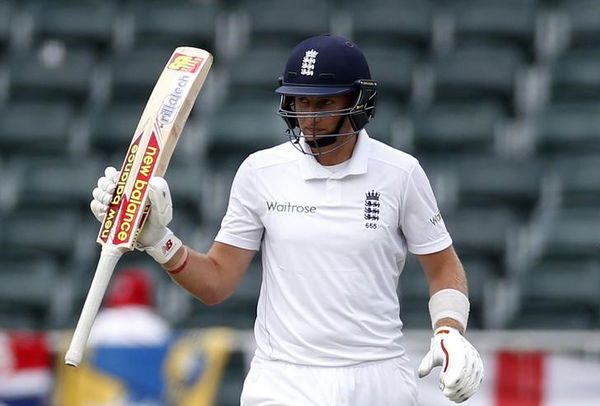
(324, 65)
(327, 65)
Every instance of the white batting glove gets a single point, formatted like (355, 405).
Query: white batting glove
(155, 238)
(462, 369)
(103, 193)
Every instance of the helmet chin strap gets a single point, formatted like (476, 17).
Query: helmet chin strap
(320, 142)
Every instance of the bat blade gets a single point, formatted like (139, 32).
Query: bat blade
(149, 153)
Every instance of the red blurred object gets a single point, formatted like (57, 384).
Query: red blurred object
(131, 287)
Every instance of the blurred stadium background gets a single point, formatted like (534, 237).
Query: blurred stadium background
(499, 99)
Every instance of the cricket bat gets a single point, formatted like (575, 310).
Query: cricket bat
(148, 155)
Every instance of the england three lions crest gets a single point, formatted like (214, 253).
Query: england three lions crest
(371, 212)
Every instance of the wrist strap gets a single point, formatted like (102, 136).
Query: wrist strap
(164, 249)
(180, 267)
(449, 303)
(445, 330)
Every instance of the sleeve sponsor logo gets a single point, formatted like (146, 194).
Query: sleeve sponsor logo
(436, 219)
(186, 63)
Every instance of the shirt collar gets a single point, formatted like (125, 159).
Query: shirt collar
(310, 168)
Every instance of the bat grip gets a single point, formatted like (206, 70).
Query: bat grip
(109, 257)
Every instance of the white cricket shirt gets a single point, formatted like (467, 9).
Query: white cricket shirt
(333, 245)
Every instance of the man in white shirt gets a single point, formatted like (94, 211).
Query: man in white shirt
(334, 214)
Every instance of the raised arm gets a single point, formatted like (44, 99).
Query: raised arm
(210, 277)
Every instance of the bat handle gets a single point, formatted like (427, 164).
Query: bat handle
(109, 257)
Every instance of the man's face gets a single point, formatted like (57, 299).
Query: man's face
(321, 126)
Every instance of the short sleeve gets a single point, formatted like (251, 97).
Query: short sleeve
(420, 219)
(242, 226)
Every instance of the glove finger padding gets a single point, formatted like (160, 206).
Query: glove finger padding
(112, 174)
(432, 359)
(475, 378)
(98, 210)
(108, 182)
(475, 373)
(102, 194)
(458, 368)
(462, 369)
(161, 212)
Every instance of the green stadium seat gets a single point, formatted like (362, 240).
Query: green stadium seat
(256, 72)
(492, 181)
(57, 183)
(67, 79)
(285, 22)
(567, 128)
(134, 72)
(508, 22)
(575, 76)
(112, 127)
(87, 24)
(480, 275)
(579, 180)
(49, 232)
(185, 179)
(5, 19)
(175, 23)
(391, 124)
(413, 292)
(452, 120)
(35, 128)
(571, 233)
(233, 130)
(478, 72)
(27, 286)
(5, 178)
(584, 22)
(559, 294)
(393, 68)
(457, 127)
(392, 22)
(481, 233)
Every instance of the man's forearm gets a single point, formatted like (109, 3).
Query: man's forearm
(197, 273)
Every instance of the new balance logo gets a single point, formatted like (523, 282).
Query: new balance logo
(167, 247)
